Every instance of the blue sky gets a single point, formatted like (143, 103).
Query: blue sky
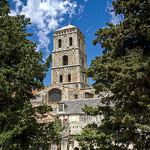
(49, 15)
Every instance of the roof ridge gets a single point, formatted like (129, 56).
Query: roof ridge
(66, 27)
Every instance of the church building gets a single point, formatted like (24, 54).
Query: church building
(69, 90)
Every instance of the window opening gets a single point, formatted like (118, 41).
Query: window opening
(82, 61)
(69, 78)
(65, 60)
(60, 107)
(79, 43)
(55, 95)
(70, 41)
(61, 78)
(59, 43)
(76, 96)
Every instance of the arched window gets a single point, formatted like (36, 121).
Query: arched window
(59, 43)
(61, 78)
(82, 61)
(65, 60)
(55, 95)
(70, 41)
(69, 78)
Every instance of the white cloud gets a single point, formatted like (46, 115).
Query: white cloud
(46, 15)
(89, 28)
(18, 3)
(113, 19)
(80, 10)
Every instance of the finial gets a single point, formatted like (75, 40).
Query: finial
(69, 21)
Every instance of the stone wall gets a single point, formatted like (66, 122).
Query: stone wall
(77, 59)
(72, 70)
(57, 58)
(64, 36)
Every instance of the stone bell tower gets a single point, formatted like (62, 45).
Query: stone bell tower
(69, 58)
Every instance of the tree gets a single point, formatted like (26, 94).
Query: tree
(123, 69)
(21, 71)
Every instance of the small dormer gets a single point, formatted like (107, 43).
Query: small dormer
(61, 107)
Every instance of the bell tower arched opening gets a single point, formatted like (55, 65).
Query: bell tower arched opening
(65, 60)
(70, 41)
(69, 78)
(59, 43)
(61, 79)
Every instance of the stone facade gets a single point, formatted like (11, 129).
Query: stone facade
(69, 90)
(74, 120)
(69, 58)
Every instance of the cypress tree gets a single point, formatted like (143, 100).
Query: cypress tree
(21, 71)
(123, 69)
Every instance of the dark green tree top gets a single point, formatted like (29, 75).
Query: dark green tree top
(123, 69)
(21, 71)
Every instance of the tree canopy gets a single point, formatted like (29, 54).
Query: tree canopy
(123, 69)
(21, 71)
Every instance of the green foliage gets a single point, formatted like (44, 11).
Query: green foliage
(124, 69)
(21, 71)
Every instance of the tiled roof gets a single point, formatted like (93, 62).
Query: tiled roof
(74, 106)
